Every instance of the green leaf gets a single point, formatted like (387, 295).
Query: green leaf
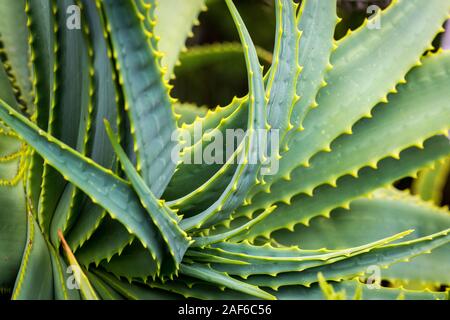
(61, 278)
(6, 90)
(212, 119)
(12, 215)
(162, 216)
(246, 173)
(10, 146)
(134, 291)
(221, 279)
(285, 69)
(280, 95)
(134, 262)
(430, 183)
(172, 32)
(85, 287)
(208, 54)
(14, 35)
(104, 290)
(328, 290)
(42, 39)
(203, 241)
(207, 291)
(217, 65)
(203, 257)
(187, 288)
(316, 21)
(105, 95)
(146, 94)
(387, 212)
(35, 278)
(327, 198)
(105, 100)
(110, 238)
(87, 223)
(376, 138)
(101, 185)
(351, 287)
(265, 252)
(275, 265)
(188, 113)
(370, 59)
(198, 185)
(357, 265)
(360, 55)
(69, 118)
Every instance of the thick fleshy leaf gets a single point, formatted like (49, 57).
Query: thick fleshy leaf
(173, 33)
(102, 186)
(6, 89)
(188, 113)
(221, 279)
(110, 238)
(104, 290)
(134, 291)
(350, 290)
(42, 40)
(106, 98)
(35, 277)
(14, 36)
(327, 198)
(410, 103)
(276, 265)
(387, 212)
(162, 216)
(357, 265)
(197, 183)
(316, 21)
(246, 173)
(134, 262)
(69, 119)
(359, 55)
(285, 69)
(12, 197)
(147, 99)
(85, 287)
(64, 288)
(430, 183)
(13, 224)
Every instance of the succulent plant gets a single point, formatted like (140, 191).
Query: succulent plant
(99, 199)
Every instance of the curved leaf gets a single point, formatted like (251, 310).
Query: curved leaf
(42, 40)
(147, 99)
(14, 35)
(221, 279)
(35, 277)
(102, 186)
(246, 173)
(430, 183)
(377, 138)
(85, 287)
(162, 216)
(13, 222)
(173, 33)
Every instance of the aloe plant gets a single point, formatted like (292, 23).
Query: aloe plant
(93, 205)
